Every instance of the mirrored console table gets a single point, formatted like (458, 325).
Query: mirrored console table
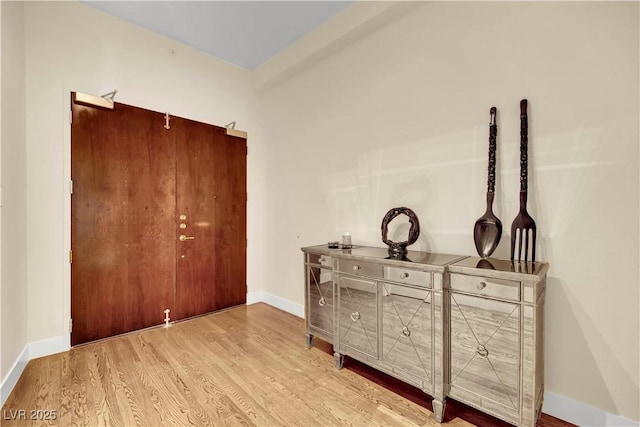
(451, 325)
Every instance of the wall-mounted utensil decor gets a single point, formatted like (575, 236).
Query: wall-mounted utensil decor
(488, 228)
(398, 249)
(523, 225)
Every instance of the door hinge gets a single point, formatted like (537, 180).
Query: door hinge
(71, 187)
(70, 117)
(70, 325)
(71, 257)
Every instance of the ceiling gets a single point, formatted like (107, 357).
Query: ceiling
(244, 33)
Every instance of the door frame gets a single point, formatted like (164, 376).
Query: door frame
(66, 228)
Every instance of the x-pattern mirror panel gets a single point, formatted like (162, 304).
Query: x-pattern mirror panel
(358, 315)
(407, 334)
(321, 299)
(485, 348)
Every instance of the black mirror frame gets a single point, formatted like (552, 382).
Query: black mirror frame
(400, 248)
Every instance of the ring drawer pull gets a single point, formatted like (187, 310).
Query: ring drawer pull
(355, 316)
(481, 285)
(321, 302)
(356, 267)
(405, 275)
(405, 331)
(482, 351)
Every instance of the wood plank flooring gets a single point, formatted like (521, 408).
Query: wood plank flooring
(247, 366)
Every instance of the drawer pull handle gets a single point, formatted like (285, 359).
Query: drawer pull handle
(481, 286)
(356, 267)
(355, 316)
(405, 331)
(482, 351)
(405, 275)
(321, 302)
(320, 260)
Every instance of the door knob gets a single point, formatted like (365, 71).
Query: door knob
(184, 238)
(482, 351)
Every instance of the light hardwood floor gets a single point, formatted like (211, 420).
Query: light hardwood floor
(244, 366)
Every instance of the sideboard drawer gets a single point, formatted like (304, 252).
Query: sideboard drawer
(324, 260)
(410, 277)
(360, 268)
(497, 288)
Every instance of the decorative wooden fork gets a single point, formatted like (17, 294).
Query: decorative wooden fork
(523, 224)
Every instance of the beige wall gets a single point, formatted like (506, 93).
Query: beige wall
(2, 373)
(399, 117)
(13, 282)
(74, 47)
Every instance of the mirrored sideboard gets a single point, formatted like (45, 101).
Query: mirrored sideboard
(452, 326)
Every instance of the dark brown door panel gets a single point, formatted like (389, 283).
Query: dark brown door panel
(133, 179)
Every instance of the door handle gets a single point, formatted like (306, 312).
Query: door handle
(184, 238)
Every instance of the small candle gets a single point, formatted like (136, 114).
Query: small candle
(346, 239)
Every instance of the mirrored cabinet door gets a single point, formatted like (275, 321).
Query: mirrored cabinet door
(358, 315)
(407, 332)
(320, 300)
(485, 353)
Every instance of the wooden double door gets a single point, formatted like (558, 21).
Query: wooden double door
(158, 220)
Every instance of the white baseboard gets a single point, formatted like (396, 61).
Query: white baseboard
(31, 351)
(580, 413)
(254, 297)
(276, 301)
(12, 377)
(49, 346)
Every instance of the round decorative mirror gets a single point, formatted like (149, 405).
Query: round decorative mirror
(400, 248)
